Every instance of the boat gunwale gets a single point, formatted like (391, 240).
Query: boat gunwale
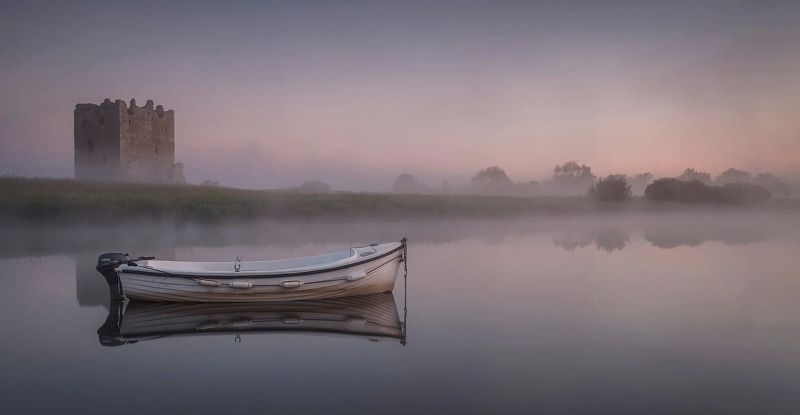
(243, 275)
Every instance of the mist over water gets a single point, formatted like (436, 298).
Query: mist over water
(675, 313)
(641, 161)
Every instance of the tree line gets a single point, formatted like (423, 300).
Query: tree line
(732, 186)
(573, 179)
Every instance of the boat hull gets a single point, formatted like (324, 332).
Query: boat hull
(370, 278)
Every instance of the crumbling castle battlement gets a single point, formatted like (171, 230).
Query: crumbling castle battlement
(119, 142)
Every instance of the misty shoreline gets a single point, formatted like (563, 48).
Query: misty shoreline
(607, 232)
(62, 200)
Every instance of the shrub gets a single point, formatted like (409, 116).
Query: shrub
(312, 187)
(492, 181)
(741, 194)
(695, 191)
(733, 175)
(612, 188)
(692, 174)
(530, 188)
(570, 178)
(776, 186)
(406, 183)
(674, 190)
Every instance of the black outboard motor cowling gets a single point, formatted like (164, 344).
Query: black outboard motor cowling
(106, 264)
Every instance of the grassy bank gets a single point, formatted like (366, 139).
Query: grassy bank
(64, 199)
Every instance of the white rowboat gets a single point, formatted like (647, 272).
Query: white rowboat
(358, 271)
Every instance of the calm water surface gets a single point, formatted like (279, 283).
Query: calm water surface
(677, 314)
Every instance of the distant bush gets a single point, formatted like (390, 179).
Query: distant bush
(406, 183)
(528, 189)
(742, 194)
(695, 191)
(776, 186)
(570, 178)
(312, 186)
(733, 175)
(612, 188)
(492, 181)
(675, 190)
(691, 174)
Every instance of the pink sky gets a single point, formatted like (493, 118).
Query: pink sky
(270, 97)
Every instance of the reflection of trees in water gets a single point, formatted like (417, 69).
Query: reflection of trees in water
(26, 239)
(607, 239)
(611, 240)
(675, 236)
(571, 241)
(665, 236)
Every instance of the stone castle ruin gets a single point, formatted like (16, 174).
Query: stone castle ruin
(117, 142)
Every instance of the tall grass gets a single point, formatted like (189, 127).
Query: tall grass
(66, 199)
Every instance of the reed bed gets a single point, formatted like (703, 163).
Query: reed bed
(67, 199)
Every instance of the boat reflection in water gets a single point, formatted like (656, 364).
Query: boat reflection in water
(372, 316)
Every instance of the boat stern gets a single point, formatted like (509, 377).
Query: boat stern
(106, 265)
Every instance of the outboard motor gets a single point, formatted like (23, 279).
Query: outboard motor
(106, 264)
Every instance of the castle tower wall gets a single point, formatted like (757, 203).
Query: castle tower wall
(117, 142)
(97, 141)
(147, 144)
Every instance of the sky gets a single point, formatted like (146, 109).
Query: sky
(271, 94)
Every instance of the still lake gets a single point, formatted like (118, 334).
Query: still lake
(605, 314)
